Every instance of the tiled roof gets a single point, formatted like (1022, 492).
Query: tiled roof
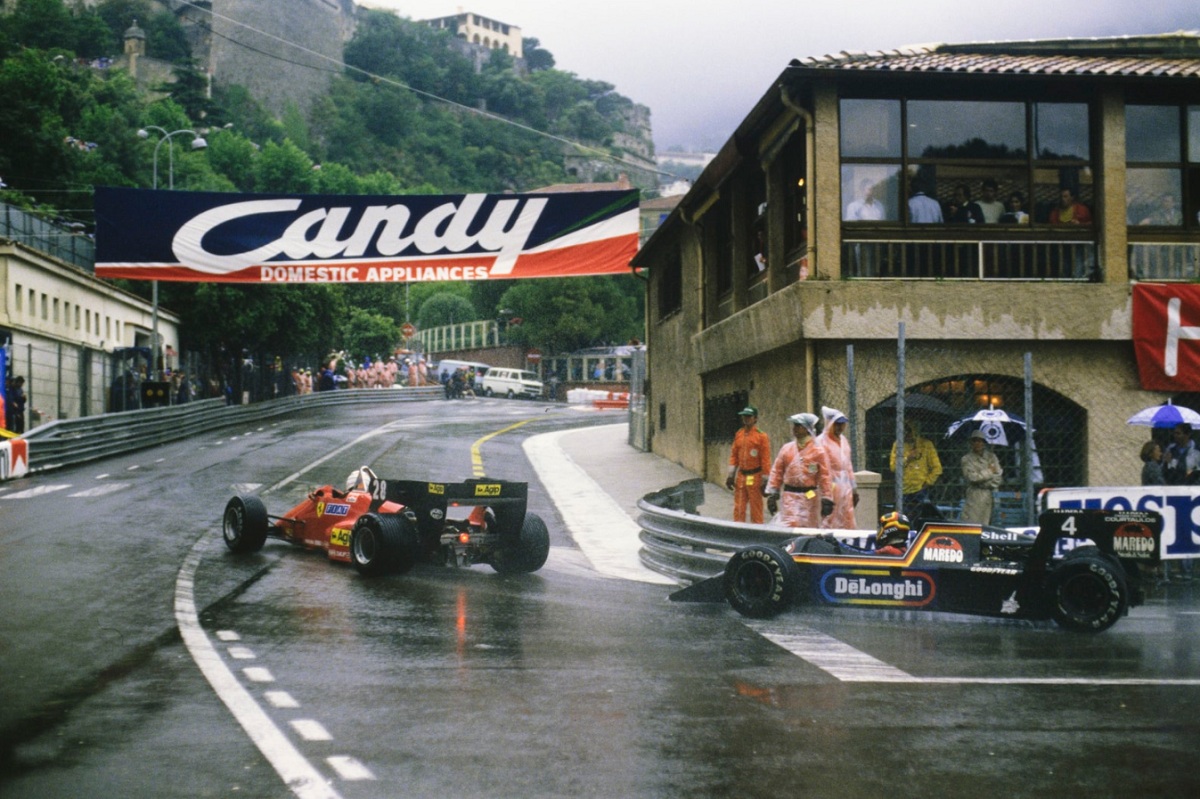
(1169, 55)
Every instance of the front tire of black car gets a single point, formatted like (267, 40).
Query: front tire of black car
(760, 581)
(382, 544)
(530, 552)
(244, 524)
(1088, 592)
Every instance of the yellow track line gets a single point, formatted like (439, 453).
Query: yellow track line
(477, 457)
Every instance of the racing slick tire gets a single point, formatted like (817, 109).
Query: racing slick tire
(760, 581)
(1088, 591)
(244, 524)
(381, 544)
(530, 552)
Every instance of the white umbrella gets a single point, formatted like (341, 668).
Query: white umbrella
(1165, 416)
(998, 426)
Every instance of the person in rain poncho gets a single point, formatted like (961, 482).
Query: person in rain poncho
(841, 470)
(799, 481)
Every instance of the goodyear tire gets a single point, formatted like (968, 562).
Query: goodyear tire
(531, 551)
(760, 581)
(382, 544)
(244, 524)
(1088, 591)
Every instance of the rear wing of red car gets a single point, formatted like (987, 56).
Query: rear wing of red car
(430, 500)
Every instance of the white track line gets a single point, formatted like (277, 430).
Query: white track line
(297, 773)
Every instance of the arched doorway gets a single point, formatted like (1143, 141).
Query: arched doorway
(1060, 438)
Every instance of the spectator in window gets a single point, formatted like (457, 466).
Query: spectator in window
(1165, 213)
(923, 210)
(989, 207)
(1069, 210)
(960, 210)
(866, 208)
(1015, 215)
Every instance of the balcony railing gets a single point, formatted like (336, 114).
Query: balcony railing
(970, 260)
(1164, 261)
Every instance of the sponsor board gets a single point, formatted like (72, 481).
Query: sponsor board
(209, 237)
(1179, 506)
(14, 458)
(877, 587)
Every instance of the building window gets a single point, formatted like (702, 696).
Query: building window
(18, 298)
(670, 286)
(1162, 154)
(967, 189)
(963, 153)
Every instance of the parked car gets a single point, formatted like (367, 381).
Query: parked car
(511, 383)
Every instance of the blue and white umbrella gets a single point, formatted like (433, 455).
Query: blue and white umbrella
(1165, 416)
(998, 427)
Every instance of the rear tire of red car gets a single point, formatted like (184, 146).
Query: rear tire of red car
(1088, 591)
(531, 551)
(245, 524)
(760, 581)
(382, 544)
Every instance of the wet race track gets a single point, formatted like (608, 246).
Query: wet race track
(141, 659)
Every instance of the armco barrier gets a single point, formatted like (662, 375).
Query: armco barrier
(67, 442)
(687, 547)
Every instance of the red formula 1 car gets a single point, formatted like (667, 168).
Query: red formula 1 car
(388, 526)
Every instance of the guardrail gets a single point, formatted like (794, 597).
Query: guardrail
(688, 547)
(68, 442)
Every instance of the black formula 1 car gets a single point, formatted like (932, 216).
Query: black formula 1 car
(388, 526)
(959, 568)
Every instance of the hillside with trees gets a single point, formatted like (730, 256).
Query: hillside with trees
(402, 119)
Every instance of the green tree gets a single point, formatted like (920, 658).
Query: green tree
(366, 333)
(445, 309)
(536, 58)
(283, 168)
(567, 314)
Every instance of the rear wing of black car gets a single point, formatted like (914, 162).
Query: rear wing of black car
(429, 500)
(1133, 535)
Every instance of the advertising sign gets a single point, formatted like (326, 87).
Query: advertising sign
(1179, 506)
(143, 234)
(14, 458)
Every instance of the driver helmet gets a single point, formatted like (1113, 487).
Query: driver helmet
(893, 530)
(362, 479)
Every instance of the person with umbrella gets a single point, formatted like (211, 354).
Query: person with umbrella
(1182, 459)
(981, 469)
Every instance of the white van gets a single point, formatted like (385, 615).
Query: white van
(448, 367)
(511, 383)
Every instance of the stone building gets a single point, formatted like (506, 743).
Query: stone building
(819, 179)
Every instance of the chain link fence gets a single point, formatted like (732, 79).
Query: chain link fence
(945, 393)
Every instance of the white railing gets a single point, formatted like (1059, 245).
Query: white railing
(969, 260)
(464, 336)
(1164, 261)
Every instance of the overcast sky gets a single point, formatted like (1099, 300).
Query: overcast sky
(701, 67)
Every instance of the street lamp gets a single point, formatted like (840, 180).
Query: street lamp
(198, 143)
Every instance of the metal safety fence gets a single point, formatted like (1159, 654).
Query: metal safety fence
(69, 442)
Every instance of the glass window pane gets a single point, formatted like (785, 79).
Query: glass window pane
(1154, 197)
(870, 193)
(1063, 196)
(1152, 133)
(1061, 131)
(870, 128)
(954, 129)
(1194, 134)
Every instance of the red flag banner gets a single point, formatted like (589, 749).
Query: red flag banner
(1166, 335)
(143, 234)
